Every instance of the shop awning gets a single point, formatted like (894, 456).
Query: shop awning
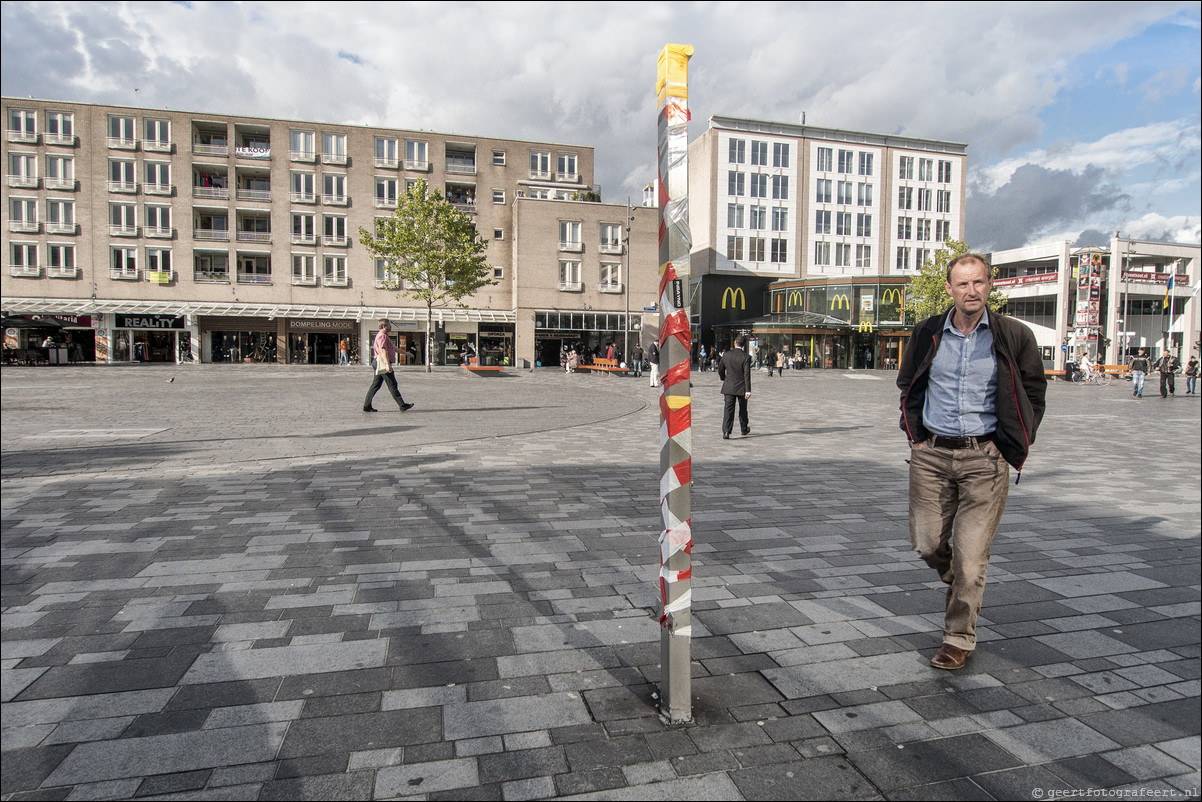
(88, 306)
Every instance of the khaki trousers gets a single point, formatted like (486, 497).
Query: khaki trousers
(957, 497)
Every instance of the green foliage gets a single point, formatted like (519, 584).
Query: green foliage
(928, 295)
(431, 251)
(588, 197)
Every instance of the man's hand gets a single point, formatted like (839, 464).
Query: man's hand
(917, 445)
(747, 395)
(990, 449)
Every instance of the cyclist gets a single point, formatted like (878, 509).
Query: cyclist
(1086, 367)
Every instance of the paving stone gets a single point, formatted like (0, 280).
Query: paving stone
(825, 778)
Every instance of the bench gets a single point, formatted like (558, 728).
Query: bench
(473, 366)
(602, 365)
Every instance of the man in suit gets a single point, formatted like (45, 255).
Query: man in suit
(735, 372)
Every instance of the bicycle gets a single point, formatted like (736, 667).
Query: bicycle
(1097, 377)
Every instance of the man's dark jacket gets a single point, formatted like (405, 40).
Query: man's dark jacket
(1021, 383)
(735, 372)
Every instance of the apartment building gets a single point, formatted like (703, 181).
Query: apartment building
(1106, 302)
(171, 235)
(804, 236)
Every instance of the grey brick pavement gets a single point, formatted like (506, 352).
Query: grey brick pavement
(237, 586)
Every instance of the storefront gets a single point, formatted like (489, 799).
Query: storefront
(148, 338)
(554, 331)
(318, 342)
(238, 339)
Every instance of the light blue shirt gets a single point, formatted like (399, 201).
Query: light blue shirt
(962, 392)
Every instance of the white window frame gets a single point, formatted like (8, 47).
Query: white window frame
(306, 222)
(737, 151)
(780, 218)
(864, 194)
(122, 175)
(926, 169)
(60, 127)
(758, 186)
(780, 187)
(822, 221)
(825, 160)
(863, 225)
(304, 270)
(333, 148)
(22, 125)
(158, 260)
(60, 215)
(905, 168)
(822, 190)
(23, 215)
(866, 164)
(610, 278)
(333, 228)
(822, 253)
(302, 145)
(540, 164)
(569, 276)
(60, 171)
(158, 134)
(736, 184)
(386, 192)
(757, 218)
(123, 219)
(155, 217)
(902, 260)
(23, 259)
(842, 254)
(387, 150)
(60, 260)
(734, 248)
(844, 226)
(498, 196)
(755, 249)
(780, 251)
(566, 165)
(780, 155)
(155, 173)
(333, 270)
(122, 132)
(611, 238)
(417, 154)
(759, 153)
(498, 158)
(298, 182)
(331, 182)
(123, 263)
(864, 256)
(569, 236)
(734, 215)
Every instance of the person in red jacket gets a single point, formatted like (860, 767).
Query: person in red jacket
(972, 396)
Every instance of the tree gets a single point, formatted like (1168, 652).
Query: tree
(431, 252)
(928, 295)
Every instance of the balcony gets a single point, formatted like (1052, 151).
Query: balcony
(568, 178)
(67, 140)
(157, 146)
(385, 203)
(25, 271)
(161, 277)
(257, 195)
(540, 175)
(335, 200)
(304, 281)
(571, 286)
(68, 184)
(23, 181)
(159, 233)
(123, 231)
(200, 149)
(62, 228)
(254, 236)
(387, 163)
(303, 197)
(304, 239)
(253, 278)
(211, 193)
(158, 189)
(611, 247)
(610, 288)
(461, 165)
(258, 151)
(24, 226)
(335, 239)
(126, 187)
(121, 143)
(211, 234)
(211, 276)
(336, 281)
(302, 155)
(571, 247)
(125, 274)
(23, 137)
(62, 272)
(333, 158)
(418, 165)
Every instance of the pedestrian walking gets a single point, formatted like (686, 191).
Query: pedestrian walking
(653, 358)
(1140, 367)
(636, 361)
(972, 396)
(385, 356)
(1167, 366)
(1191, 376)
(735, 372)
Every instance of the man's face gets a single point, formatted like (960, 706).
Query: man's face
(969, 287)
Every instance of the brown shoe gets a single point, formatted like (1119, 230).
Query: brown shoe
(950, 658)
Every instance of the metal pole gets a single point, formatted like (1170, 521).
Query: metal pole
(626, 282)
(675, 454)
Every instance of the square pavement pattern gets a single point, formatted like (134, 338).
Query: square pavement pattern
(235, 585)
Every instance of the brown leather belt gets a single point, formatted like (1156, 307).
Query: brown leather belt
(961, 442)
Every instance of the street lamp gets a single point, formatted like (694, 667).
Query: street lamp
(626, 282)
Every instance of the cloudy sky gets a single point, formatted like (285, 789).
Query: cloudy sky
(1080, 118)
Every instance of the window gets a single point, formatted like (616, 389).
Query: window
(734, 248)
(304, 229)
(926, 169)
(158, 178)
(569, 276)
(498, 158)
(755, 249)
(498, 196)
(498, 234)
(254, 269)
(905, 227)
(61, 259)
(905, 168)
(780, 219)
(22, 125)
(611, 238)
(123, 220)
(903, 259)
(865, 164)
(759, 153)
(417, 156)
(22, 170)
(333, 272)
(735, 184)
(158, 134)
(944, 199)
(822, 190)
(611, 277)
(923, 229)
(780, 154)
(780, 187)
(334, 186)
(842, 255)
(759, 185)
(335, 229)
(780, 250)
(210, 267)
(333, 148)
(23, 259)
(540, 164)
(302, 188)
(381, 272)
(826, 160)
(60, 128)
(863, 225)
(847, 161)
(822, 253)
(385, 192)
(845, 193)
(822, 222)
(386, 152)
(843, 224)
(924, 200)
(921, 255)
(734, 215)
(60, 172)
(124, 264)
(738, 151)
(60, 216)
(158, 261)
(864, 256)
(864, 194)
(121, 132)
(945, 172)
(569, 235)
(905, 198)
(759, 218)
(158, 221)
(301, 146)
(566, 167)
(121, 176)
(304, 272)
(943, 230)
(23, 215)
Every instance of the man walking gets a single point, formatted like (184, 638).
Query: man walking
(735, 372)
(384, 351)
(972, 396)
(653, 360)
(1168, 367)
(1139, 369)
